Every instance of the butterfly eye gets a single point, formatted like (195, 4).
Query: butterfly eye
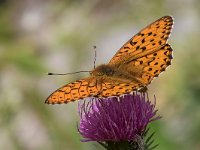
(109, 71)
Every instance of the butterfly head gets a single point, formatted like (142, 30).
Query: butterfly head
(103, 70)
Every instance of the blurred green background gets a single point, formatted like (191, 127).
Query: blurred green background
(40, 36)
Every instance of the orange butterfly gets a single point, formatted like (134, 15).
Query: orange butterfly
(132, 68)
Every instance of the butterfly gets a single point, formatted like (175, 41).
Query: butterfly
(132, 68)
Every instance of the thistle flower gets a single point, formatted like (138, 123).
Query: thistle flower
(117, 122)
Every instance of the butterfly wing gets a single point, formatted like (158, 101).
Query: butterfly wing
(148, 40)
(147, 54)
(90, 87)
(112, 86)
(74, 91)
(150, 65)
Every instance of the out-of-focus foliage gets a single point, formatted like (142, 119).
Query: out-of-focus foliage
(37, 36)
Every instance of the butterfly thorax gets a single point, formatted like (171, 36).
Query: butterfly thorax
(103, 70)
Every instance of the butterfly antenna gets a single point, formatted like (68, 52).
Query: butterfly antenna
(50, 73)
(95, 56)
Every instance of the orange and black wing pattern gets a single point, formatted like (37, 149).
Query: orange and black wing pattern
(147, 41)
(90, 87)
(151, 65)
(148, 52)
(115, 87)
(79, 89)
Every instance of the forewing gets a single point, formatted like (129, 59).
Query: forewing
(149, 39)
(79, 89)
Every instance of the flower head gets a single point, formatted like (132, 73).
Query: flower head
(116, 118)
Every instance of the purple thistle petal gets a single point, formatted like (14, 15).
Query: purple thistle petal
(116, 118)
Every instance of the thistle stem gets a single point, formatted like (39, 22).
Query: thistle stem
(123, 145)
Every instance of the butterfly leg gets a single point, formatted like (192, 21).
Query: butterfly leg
(143, 89)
